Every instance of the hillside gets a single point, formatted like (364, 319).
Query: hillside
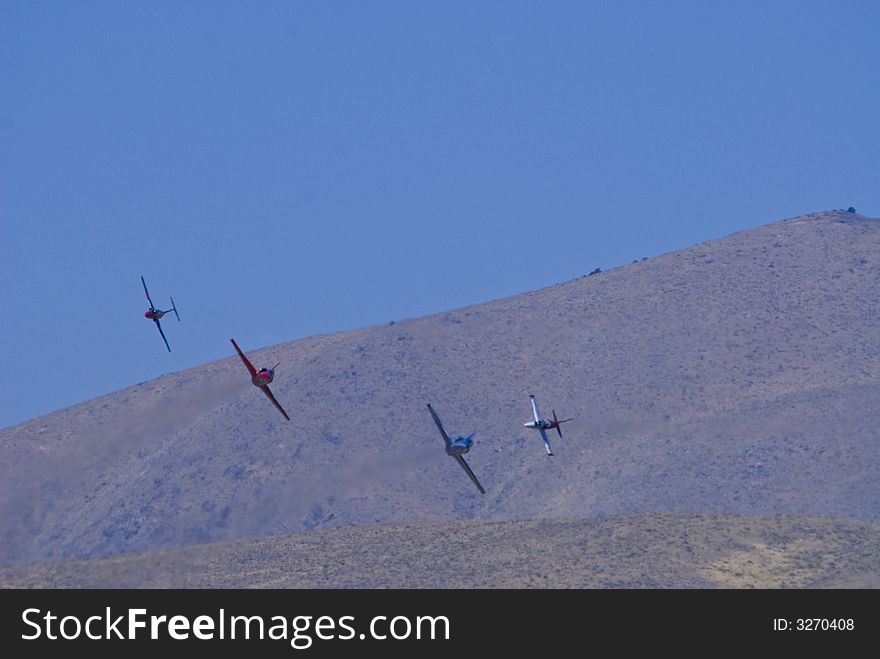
(738, 377)
(646, 550)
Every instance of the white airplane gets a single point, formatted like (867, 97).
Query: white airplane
(455, 448)
(543, 424)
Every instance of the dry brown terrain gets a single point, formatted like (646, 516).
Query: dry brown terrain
(648, 550)
(737, 377)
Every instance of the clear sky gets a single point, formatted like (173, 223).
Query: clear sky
(285, 169)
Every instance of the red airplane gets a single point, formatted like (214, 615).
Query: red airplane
(155, 314)
(261, 378)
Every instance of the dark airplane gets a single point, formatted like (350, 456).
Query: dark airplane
(456, 447)
(155, 314)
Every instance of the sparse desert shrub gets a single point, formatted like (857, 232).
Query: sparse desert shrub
(235, 472)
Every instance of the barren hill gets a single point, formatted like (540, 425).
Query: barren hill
(633, 550)
(740, 376)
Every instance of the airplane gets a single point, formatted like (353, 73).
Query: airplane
(261, 378)
(456, 447)
(543, 424)
(155, 314)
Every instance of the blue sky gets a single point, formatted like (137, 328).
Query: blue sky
(285, 169)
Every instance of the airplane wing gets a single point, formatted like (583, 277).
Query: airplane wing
(147, 292)
(156, 320)
(442, 431)
(546, 441)
(535, 408)
(247, 363)
(464, 465)
(275, 402)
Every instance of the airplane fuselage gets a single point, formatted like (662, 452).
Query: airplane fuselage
(459, 446)
(542, 423)
(154, 314)
(263, 377)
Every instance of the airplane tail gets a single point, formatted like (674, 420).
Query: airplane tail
(559, 423)
(174, 309)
